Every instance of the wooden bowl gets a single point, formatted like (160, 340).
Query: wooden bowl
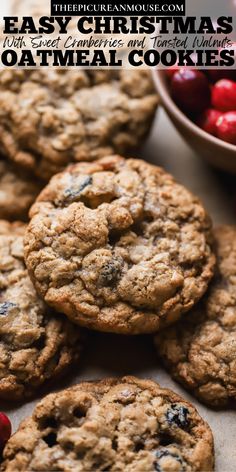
(217, 152)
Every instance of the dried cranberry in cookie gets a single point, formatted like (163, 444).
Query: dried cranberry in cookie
(117, 425)
(178, 415)
(118, 245)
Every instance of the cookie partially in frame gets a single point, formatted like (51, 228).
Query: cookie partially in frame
(116, 425)
(119, 246)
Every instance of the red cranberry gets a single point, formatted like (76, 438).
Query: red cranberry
(226, 127)
(207, 120)
(190, 90)
(224, 95)
(5, 430)
(218, 74)
(171, 71)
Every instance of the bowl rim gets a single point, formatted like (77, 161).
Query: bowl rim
(166, 99)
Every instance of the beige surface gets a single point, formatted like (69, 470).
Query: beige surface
(109, 355)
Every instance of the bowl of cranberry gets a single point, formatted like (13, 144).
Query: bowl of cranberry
(202, 106)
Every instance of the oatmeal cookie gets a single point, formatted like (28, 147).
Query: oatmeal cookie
(118, 425)
(18, 191)
(49, 118)
(118, 245)
(36, 345)
(200, 351)
(32, 8)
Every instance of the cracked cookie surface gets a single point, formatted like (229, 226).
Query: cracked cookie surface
(49, 119)
(36, 345)
(200, 351)
(18, 191)
(116, 425)
(118, 245)
(30, 7)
